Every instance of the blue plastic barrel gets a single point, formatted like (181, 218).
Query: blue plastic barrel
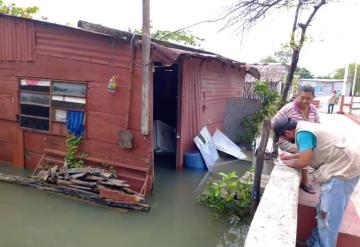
(194, 160)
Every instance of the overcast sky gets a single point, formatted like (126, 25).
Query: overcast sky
(334, 36)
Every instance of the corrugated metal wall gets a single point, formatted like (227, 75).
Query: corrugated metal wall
(206, 87)
(81, 46)
(219, 82)
(72, 55)
(191, 107)
(10, 133)
(22, 32)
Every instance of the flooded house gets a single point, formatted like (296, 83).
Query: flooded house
(52, 75)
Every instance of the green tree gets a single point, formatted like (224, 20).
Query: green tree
(181, 37)
(303, 73)
(250, 12)
(269, 59)
(184, 37)
(340, 73)
(323, 76)
(12, 9)
(284, 54)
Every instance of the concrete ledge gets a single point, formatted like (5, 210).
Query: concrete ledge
(275, 220)
(353, 118)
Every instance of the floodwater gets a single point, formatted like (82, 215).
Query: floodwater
(35, 218)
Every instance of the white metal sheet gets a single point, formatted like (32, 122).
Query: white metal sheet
(224, 144)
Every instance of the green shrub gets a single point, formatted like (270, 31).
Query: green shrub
(72, 144)
(270, 103)
(228, 196)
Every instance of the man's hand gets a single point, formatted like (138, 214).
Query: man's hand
(289, 162)
(298, 160)
(287, 156)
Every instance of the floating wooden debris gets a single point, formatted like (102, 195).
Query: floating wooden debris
(114, 183)
(86, 183)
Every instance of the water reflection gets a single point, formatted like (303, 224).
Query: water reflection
(234, 236)
(36, 218)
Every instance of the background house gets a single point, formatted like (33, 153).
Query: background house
(324, 87)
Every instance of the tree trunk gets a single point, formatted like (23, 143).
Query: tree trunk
(290, 76)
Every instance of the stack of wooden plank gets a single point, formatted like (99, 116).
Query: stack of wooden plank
(97, 184)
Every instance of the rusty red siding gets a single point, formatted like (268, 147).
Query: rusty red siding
(54, 52)
(206, 86)
(22, 32)
(71, 55)
(81, 46)
(190, 107)
(219, 82)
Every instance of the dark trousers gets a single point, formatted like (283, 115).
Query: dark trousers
(330, 108)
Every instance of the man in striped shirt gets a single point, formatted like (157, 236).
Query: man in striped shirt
(300, 110)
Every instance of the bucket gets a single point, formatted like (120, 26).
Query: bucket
(194, 160)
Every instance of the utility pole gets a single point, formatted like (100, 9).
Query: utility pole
(345, 80)
(354, 82)
(342, 98)
(146, 41)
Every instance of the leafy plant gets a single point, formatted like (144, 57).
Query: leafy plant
(12, 9)
(181, 37)
(270, 103)
(228, 196)
(72, 143)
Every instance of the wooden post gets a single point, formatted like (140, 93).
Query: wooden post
(259, 162)
(341, 107)
(146, 41)
(18, 151)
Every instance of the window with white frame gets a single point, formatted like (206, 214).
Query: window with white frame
(45, 101)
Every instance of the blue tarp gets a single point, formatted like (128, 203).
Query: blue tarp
(74, 122)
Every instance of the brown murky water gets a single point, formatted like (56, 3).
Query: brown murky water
(35, 218)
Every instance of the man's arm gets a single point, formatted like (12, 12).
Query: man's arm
(287, 146)
(306, 142)
(317, 117)
(303, 159)
(288, 156)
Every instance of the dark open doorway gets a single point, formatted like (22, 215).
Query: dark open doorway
(165, 114)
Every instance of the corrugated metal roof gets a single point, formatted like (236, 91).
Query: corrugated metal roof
(165, 52)
(162, 51)
(21, 31)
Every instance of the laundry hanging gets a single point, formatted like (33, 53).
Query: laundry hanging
(74, 122)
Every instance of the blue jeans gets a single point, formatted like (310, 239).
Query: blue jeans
(334, 197)
(330, 108)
